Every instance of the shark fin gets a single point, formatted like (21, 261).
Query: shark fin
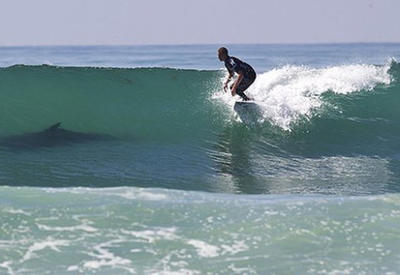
(54, 127)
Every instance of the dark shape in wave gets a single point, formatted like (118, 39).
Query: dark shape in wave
(50, 137)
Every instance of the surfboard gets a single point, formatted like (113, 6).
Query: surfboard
(246, 105)
(248, 111)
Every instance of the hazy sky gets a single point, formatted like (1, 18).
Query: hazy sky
(92, 22)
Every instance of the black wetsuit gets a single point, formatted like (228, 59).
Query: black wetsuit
(249, 75)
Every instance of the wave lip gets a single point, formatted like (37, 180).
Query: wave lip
(293, 91)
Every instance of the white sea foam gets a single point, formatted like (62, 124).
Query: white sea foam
(81, 227)
(40, 245)
(127, 193)
(236, 247)
(290, 92)
(16, 211)
(179, 272)
(6, 265)
(143, 195)
(104, 257)
(204, 249)
(151, 236)
(73, 268)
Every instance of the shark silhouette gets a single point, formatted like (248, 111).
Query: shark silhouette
(50, 137)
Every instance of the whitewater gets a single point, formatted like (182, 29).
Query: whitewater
(152, 171)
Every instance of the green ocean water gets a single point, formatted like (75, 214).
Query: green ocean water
(141, 104)
(152, 231)
(154, 171)
(155, 127)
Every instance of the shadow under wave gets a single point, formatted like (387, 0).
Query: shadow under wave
(50, 137)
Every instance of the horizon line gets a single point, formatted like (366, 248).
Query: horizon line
(197, 44)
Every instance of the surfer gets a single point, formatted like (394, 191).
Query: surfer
(246, 73)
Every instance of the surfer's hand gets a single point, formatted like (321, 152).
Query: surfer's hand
(233, 90)
(226, 87)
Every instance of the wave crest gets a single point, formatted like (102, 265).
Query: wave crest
(288, 93)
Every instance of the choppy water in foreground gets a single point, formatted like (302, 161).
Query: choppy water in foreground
(145, 231)
(153, 171)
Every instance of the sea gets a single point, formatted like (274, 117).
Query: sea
(133, 160)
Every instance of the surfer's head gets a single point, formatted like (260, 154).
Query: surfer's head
(222, 53)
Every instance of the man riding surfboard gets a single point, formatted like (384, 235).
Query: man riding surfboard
(246, 73)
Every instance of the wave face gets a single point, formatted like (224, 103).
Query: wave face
(153, 102)
(144, 103)
(325, 130)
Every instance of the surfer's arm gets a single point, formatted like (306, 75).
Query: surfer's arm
(236, 84)
(227, 81)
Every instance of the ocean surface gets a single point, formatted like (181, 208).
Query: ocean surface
(132, 160)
